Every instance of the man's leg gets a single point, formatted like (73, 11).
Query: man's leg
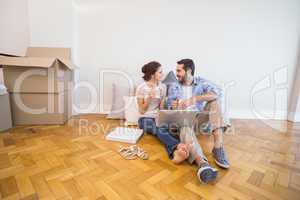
(216, 121)
(187, 136)
(205, 172)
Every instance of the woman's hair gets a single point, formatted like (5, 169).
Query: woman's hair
(149, 69)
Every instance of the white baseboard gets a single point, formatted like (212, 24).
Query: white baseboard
(239, 114)
(85, 110)
(233, 114)
(248, 114)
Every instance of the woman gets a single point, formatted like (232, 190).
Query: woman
(150, 98)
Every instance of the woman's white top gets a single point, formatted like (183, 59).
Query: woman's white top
(143, 91)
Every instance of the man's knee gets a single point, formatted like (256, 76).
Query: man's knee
(214, 104)
(214, 108)
(186, 132)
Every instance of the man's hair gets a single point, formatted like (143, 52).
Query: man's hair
(187, 64)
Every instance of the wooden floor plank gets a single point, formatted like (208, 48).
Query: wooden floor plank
(62, 162)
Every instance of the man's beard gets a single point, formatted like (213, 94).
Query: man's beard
(187, 78)
(181, 80)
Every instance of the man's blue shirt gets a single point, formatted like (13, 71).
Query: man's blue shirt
(200, 86)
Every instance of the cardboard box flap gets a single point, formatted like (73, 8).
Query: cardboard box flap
(27, 62)
(49, 52)
(8, 55)
(67, 63)
(13, 52)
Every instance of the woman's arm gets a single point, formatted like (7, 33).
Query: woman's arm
(143, 104)
(162, 103)
(163, 99)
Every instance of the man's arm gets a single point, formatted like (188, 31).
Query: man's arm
(209, 96)
(210, 92)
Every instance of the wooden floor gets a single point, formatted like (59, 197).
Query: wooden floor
(69, 162)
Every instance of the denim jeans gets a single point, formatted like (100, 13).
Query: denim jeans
(162, 133)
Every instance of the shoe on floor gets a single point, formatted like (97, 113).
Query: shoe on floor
(206, 173)
(220, 157)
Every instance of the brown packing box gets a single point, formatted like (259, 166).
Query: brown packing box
(5, 114)
(40, 85)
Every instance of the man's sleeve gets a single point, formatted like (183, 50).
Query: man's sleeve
(211, 87)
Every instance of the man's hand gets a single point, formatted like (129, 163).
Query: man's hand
(175, 104)
(183, 104)
(187, 103)
(179, 104)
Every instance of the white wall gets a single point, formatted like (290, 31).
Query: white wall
(236, 41)
(14, 34)
(231, 41)
(50, 23)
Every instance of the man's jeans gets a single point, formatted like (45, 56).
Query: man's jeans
(149, 126)
(214, 118)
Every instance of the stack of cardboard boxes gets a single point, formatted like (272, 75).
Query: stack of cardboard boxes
(40, 85)
(5, 115)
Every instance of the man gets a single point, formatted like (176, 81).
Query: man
(195, 93)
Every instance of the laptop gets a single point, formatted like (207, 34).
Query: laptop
(177, 118)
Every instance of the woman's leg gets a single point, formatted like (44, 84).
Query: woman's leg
(149, 126)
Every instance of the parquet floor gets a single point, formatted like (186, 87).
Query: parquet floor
(69, 162)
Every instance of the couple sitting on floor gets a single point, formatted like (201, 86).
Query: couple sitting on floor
(189, 93)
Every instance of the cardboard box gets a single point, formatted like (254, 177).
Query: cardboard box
(40, 85)
(5, 114)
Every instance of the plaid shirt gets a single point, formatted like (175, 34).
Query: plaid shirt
(200, 87)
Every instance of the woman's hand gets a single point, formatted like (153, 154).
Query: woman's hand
(152, 93)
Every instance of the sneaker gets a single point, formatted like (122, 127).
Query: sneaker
(220, 157)
(206, 173)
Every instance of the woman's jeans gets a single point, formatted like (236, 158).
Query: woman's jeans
(162, 133)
